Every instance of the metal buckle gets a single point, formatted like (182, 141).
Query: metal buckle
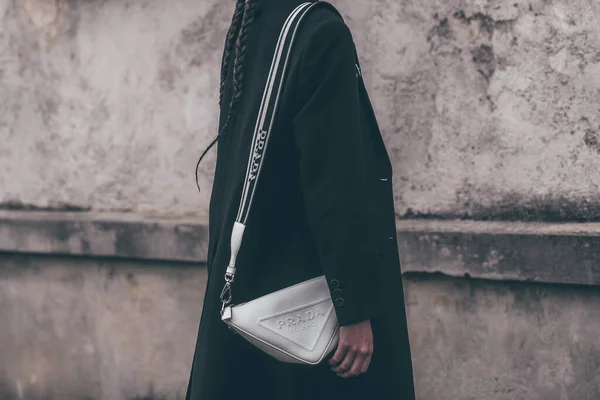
(226, 293)
(226, 296)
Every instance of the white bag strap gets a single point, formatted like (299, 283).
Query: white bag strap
(262, 132)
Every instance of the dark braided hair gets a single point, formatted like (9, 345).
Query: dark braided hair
(232, 33)
(243, 17)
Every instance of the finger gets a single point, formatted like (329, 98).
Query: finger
(339, 355)
(355, 369)
(361, 363)
(346, 363)
(366, 363)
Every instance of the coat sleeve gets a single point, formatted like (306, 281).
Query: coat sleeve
(333, 174)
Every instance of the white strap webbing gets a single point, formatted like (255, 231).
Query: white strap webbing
(264, 124)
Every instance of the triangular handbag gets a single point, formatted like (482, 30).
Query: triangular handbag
(296, 324)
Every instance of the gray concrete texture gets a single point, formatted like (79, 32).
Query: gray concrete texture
(76, 328)
(489, 108)
(563, 253)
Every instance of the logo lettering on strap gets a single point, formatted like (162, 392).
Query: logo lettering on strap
(259, 149)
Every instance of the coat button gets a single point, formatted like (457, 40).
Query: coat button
(338, 293)
(335, 283)
(339, 302)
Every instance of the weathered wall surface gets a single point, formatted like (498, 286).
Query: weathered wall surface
(497, 341)
(106, 104)
(489, 108)
(74, 328)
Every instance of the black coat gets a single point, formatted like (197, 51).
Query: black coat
(324, 205)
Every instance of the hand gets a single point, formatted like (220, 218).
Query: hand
(354, 351)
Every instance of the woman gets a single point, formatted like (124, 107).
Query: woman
(324, 205)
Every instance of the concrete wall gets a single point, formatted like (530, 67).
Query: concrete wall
(76, 329)
(493, 341)
(107, 104)
(87, 311)
(489, 108)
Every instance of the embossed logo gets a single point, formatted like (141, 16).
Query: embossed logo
(302, 326)
(306, 320)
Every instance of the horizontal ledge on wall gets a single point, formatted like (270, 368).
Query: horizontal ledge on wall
(565, 253)
(500, 227)
(99, 234)
(541, 252)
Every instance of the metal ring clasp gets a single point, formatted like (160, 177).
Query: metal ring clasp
(226, 296)
(226, 293)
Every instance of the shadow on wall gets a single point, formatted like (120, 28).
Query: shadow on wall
(516, 207)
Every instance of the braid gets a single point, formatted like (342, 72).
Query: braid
(240, 55)
(243, 17)
(232, 34)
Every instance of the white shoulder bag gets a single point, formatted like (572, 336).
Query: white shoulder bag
(297, 324)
